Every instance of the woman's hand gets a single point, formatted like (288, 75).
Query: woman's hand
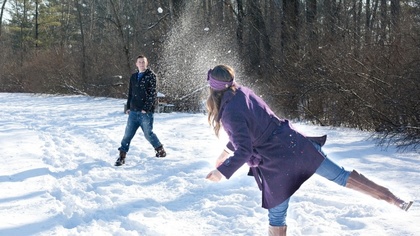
(223, 156)
(214, 176)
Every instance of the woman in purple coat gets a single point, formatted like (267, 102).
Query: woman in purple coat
(280, 158)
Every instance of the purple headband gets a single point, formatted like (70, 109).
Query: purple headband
(217, 84)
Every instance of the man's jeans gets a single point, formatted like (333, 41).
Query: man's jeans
(135, 120)
(328, 170)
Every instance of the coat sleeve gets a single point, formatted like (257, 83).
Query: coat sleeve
(318, 140)
(130, 93)
(229, 146)
(151, 94)
(237, 129)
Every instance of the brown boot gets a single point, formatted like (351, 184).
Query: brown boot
(362, 184)
(121, 160)
(277, 230)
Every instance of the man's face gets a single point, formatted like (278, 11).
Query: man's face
(141, 64)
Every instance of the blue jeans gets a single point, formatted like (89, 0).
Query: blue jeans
(327, 169)
(135, 120)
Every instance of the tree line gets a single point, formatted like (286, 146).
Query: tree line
(352, 63)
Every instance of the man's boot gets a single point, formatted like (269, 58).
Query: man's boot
(277, 230)
(160, 152)
(362, 184)
(121, 160)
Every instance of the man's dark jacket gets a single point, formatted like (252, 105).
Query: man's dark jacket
(142, 94)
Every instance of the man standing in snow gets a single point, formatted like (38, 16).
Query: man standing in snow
(141, 100)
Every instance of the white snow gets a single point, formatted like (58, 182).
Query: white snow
(57, 177)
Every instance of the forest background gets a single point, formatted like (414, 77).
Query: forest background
(352, 63)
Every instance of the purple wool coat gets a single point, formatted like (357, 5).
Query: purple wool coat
(280, 158)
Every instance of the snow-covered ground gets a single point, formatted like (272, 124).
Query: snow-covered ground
(58, 177)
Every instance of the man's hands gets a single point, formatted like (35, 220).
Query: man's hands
(128, 111)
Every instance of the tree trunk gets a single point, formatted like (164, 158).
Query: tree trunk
(36, 25)
(120, 29)
(368, 26)
(395, 20)
(384, 23)
(1, 14)
(311, 12)
(83, 43)
(240, 28)
(289, 28)
(258, 33)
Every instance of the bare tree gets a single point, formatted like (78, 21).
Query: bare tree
(311, 13)
(395, 19)
(346, 63)
(83, 42)
(289, 27)
(368, 24)
(1, 15)
(260, 42)
(120, 28)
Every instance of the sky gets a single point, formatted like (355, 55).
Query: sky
(58, 177)
(6, 14)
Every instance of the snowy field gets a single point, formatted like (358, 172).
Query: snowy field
(58, 178)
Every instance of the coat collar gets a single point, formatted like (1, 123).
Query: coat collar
(144, 72)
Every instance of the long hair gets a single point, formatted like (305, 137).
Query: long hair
(221, 73)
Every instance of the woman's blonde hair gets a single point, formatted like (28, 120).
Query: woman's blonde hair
(221, 73)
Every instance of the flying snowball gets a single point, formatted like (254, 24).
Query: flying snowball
(160, 10)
